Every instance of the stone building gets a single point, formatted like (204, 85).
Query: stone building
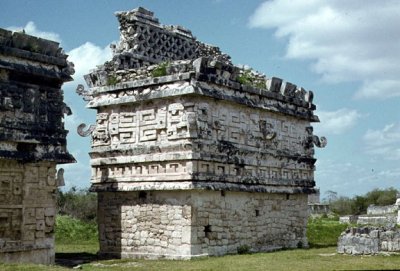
(315, 207)
(192, 155)
(32, 143)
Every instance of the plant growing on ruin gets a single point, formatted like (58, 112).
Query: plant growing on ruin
(112, 80)
(160, 70)
(248, 78)
(35, 48)
(243, 249)
(3, 75)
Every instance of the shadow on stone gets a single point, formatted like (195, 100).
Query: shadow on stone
(73, 259)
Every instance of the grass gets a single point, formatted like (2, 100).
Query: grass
(299, 259)
(70, 231)
(322, 234)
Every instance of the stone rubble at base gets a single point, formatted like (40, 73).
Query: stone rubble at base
(369, 240)
(32, 143)
(192, 155)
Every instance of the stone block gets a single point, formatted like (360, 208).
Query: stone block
(39, 213)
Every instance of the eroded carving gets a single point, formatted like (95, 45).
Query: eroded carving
(84, 133)
(80, 90)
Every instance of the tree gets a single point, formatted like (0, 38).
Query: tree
(77, 203)
(359, 204)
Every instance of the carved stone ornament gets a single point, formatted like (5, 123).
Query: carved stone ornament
(80, 90)
(86, 133)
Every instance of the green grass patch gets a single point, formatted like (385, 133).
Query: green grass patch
(298, 259)
(74, 236)
(71, 231)
(324, 232)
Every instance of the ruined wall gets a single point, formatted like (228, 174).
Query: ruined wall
(187, 224)
(369, 240)
(382, 210)
(32, 143)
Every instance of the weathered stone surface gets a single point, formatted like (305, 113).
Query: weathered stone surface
(192, 155)
(32, 143)
(31, 102)
(369, 240)
(185, 224)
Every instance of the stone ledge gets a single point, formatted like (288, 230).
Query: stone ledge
(193, 185)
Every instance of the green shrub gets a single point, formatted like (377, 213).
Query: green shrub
(246, 78)
(359, 204)
(70, 230)
(243, 249)
(249, 79)
(78, 203)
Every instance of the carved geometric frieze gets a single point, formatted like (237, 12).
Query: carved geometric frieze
(10, 223)
(142, 171)
(151, 124)
(11, 188)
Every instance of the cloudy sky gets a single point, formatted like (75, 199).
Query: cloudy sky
(346, 52)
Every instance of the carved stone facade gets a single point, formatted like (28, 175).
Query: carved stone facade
(195, 156)
(32, 143)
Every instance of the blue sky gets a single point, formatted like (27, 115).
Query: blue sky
(346, 52)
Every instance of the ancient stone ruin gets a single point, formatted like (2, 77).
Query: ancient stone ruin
(32, 143)
(315, 207)
(192, 155)
(369, 241)
(388, 215)
(377, 231)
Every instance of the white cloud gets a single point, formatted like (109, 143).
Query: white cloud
(86, 57)
(353, 178)
(384, 143)
(30, 28)
(336, 122)
(346, 40)
(379, 89)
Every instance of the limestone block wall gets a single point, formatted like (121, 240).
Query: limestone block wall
(383, 219)
(145, 224)
(27, 211)
(223, 221)
(369, 240)
(185, 224)
(382, 210)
